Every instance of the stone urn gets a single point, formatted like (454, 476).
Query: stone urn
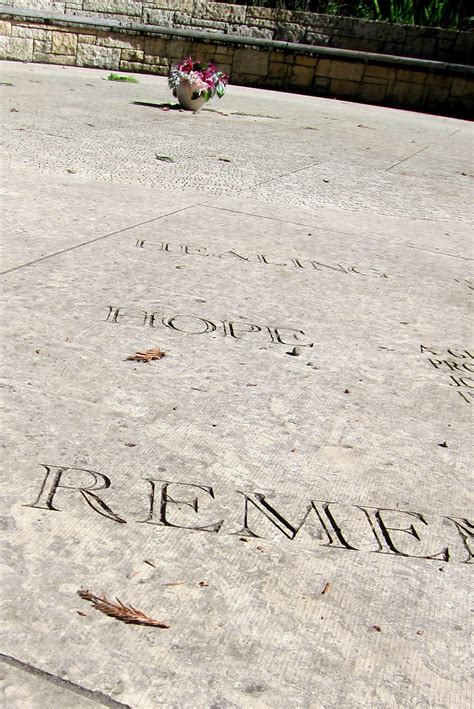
(191, 95)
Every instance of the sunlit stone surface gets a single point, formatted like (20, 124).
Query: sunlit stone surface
(288, 487)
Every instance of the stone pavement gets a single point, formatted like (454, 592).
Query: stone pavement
(287, 487)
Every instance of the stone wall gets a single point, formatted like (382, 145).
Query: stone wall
(392, 81)
(302, 27)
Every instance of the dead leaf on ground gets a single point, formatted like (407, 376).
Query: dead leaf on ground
(326, 589)
(147, 355)
(126, 614)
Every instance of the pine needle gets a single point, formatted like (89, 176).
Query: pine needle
(147, 355)
(127, 614)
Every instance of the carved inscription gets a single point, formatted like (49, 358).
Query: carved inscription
(314, 523)
(234, 255)
(457, 365)
(468, 283)
(196, 325)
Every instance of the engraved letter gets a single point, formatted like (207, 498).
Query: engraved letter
(333, 530)
(277, 335)
(195, 250)
(115, 315)
(427, 349)
(322, 510)
(52, 482)
(233, 254)
(270, 513)
(171, 323)
(466, 530)
(354, 270)
(235, 328)
(454, 353)
(166, 499)
(461, 381)
(340, 268)
(375, 520)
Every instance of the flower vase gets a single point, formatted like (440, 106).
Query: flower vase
(190, 95)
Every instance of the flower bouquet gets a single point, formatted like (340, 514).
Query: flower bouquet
(194, 83)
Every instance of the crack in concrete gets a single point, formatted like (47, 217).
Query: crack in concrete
(405, 159)
(437, 253)
(92, 241)
(279, 177)
(357, 235)
(93, 695)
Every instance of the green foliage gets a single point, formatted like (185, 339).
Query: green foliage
(428, 13)
(455, 14)
(120, 77)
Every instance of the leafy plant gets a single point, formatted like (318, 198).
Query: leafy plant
(121, 77)
(456, 14)
(428, 13)
(204, 77)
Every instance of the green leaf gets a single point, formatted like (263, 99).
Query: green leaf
(119, 77)
(164, 158)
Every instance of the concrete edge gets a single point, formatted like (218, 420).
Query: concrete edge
(75, 21)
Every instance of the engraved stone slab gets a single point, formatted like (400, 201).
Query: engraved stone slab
(286, 488)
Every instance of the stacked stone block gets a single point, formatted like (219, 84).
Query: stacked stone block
(365, 79)
(267, 23)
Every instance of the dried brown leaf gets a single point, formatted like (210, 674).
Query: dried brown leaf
(147, 355)
(326, 589)
(127, 614)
